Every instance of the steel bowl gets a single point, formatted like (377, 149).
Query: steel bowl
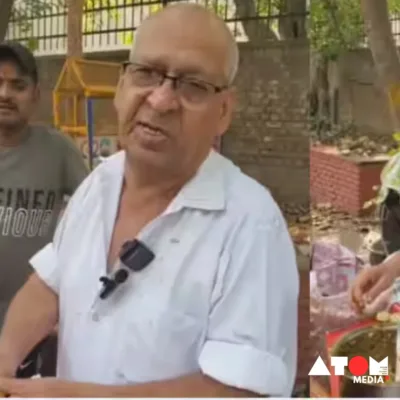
(350, 389)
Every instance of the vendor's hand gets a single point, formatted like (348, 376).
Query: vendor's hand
(371, 283)
(381, 303)
(41, 387)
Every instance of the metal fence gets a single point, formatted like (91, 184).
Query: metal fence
(110, 24)
(395, 21)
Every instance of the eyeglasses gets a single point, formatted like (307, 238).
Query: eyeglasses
(192, 92)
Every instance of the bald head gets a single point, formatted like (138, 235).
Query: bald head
(198, 23)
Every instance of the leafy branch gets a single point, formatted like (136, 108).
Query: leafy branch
(338, 26)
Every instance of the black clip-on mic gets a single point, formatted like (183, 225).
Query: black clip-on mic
(134, 256)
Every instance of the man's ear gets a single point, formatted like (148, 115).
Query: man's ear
(117, 97)
(229, 103)
(227, 110)
(37, 93)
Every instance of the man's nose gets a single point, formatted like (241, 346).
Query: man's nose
(5, 91)
(164, 98)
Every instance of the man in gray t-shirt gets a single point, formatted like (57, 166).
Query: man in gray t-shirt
(34, 178)
(38, 168)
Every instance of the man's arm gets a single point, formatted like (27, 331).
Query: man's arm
(196, 385)
(31, 316)
(251, 341)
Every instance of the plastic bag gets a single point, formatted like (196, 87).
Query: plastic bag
(334, 267)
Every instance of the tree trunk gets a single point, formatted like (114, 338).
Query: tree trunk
(254, 28)
(384, 52)
(74, 28)
(319, 95)
(292, 24)
(74, 51)
(5, 15)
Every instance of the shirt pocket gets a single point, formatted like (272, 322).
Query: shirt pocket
(160, 343)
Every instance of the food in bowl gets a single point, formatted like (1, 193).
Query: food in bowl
(377, 342)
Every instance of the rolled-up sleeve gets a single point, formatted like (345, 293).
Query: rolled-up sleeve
(45, 265)
(251, 340)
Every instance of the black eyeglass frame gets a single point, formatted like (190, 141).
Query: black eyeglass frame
(174, 79)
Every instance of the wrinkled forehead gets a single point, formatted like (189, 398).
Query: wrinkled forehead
(185, 49)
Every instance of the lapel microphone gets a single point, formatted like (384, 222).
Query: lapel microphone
(134, 257)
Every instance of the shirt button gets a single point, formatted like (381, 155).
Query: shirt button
(120, 375)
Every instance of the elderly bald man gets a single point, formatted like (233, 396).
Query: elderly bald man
(199, 286)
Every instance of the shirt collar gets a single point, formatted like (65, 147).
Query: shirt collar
(205, 191)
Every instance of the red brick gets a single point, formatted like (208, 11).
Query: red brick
(344, 183)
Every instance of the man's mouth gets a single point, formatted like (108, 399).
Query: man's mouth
(7, 107)
(151, 129)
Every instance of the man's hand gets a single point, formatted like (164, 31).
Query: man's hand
(53, 388)
(6, 371)
(8, 367)
(195, 385)
(41, 387)
(370, 284)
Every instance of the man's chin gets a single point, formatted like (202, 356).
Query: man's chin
(9, 124)
(147, 157)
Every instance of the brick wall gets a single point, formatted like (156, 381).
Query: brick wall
(345, 183)
(268, 138)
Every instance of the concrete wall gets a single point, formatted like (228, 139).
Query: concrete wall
(362, 102)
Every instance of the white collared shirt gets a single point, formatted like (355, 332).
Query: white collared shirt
(220, 296)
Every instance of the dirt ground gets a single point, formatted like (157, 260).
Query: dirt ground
(335, 226)
(326, 223)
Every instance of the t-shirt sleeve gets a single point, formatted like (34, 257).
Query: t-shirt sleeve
(75, 169)
(251, 342)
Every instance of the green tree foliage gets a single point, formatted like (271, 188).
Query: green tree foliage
(25, 11)
(333, 26)
(337, 26)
